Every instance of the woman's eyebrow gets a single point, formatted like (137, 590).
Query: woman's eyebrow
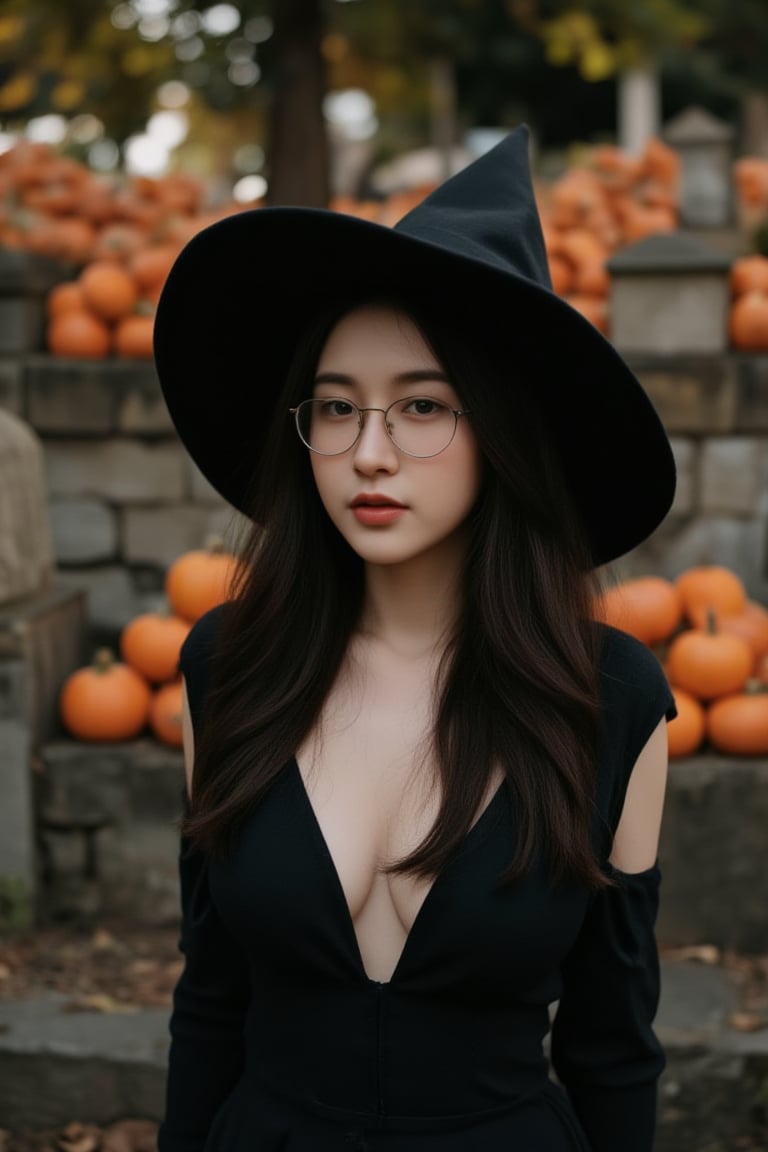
(414, 376)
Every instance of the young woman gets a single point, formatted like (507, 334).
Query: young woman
(424, 787)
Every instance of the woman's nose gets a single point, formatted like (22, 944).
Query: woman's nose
(374, 449)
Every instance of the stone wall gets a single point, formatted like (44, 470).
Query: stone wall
(125, 499)
(715, 410)
(712, 848)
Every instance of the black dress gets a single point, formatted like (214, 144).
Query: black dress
(280, 1042)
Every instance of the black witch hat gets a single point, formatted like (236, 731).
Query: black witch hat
(243, 289)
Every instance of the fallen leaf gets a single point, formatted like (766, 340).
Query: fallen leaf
(97, 1002)
(704, 953)
(130, 1136)
(103, 941)
(746, 1021)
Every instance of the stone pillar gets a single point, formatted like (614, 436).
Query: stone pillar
(670, 295)
(705, 146)
(639, 103)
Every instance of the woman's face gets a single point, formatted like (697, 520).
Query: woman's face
(374, 356)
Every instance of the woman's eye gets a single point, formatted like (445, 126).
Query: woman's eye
(336, 408)
(423, 406)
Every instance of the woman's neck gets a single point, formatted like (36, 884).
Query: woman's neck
(412, 608)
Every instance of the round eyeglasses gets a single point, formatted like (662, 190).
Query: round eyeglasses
(417, 425)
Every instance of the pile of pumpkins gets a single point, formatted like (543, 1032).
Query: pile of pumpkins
(712, 641)
(748, 313)
(117, 234)
(120, 697)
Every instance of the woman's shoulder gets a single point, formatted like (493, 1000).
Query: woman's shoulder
(635, 697)
(628, 667)
(200, 642)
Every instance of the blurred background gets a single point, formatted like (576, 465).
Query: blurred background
(125, 128)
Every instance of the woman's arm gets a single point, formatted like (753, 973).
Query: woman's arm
(209, 1002)
(604, 1049)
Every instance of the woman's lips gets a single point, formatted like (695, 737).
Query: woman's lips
(375, 509)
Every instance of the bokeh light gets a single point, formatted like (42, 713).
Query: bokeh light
(173, 94)
(220, 20)
(249, 188)
(49, 129)
(145, 155)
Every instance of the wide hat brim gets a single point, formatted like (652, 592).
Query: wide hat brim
(244, 288)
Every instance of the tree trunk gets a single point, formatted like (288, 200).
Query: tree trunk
(639, 104)
(443, 111)
(298, 150)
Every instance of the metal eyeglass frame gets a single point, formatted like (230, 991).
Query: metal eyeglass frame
(455, 412)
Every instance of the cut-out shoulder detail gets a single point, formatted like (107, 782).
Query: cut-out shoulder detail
(187, 737)
(636, 841)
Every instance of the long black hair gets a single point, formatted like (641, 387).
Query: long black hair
(518, 683)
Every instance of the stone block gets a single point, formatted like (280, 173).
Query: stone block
(84, 531)
(158, 535)
(17, 840)
(140, 407)
(119, 470)
(670, 295)
(691, 394)
(22, 325)
(681, 542)
(714, 854)
(199, 488)
(705, 146)
(668, 315)
(137, 786)
(68, 396)
(110, 595)
(96, 397)
(45, 633)
(751, 415)
(731, 468)
(686, 460)
(11, 390)
(232, 526)
(30, 274)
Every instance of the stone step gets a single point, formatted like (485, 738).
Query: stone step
(713, 843)
(58, 1066)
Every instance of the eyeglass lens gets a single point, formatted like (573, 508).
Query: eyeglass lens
(418, 425)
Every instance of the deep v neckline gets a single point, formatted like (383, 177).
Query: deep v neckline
(333, 872)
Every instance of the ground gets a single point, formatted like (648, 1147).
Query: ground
(117, 966)
(113, 967)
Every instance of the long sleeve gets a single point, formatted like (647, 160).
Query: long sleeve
(209, 1006)
(603, 1048)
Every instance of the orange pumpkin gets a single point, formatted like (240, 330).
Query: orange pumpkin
(108, 289)
(150, 644)
(648, 607)
(65, 297)
(738, 724)
(711, 587)
(752, 624)
(151, 264)
(749, 274)
(708, 663)
(78, 334)
(199, 580)
(107, 701)
(685, 733)
(748, 321)
(133, 336)
(562, 275)
(165, 714)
